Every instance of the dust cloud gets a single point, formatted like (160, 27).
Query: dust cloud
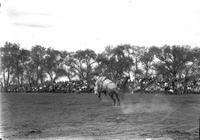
(145, 106)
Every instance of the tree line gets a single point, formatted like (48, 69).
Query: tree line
(166, 68)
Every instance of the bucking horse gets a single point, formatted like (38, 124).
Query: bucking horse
(108, 87)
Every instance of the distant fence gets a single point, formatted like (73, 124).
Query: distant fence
(81, 87)
(58, 87)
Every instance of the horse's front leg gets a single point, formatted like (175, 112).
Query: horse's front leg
(118, 100)
(99, 96)
(113, 98)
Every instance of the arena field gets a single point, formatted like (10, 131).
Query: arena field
(82, 116)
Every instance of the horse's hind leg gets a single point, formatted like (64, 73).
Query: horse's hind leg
(99, 95)
(117, 97)
(113, 98)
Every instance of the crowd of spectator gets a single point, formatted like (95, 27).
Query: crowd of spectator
(48, 87)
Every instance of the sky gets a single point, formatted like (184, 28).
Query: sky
(79, 24)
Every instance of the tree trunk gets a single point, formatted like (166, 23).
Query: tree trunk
(185, 85)
(69, 78)
(18, 82)
(37, 79)
(7, 81)
(4, 80)
(142, 86)
(136, 68)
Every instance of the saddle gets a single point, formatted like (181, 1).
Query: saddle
(103, 84)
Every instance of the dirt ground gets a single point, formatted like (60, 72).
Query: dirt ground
(81, 116)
